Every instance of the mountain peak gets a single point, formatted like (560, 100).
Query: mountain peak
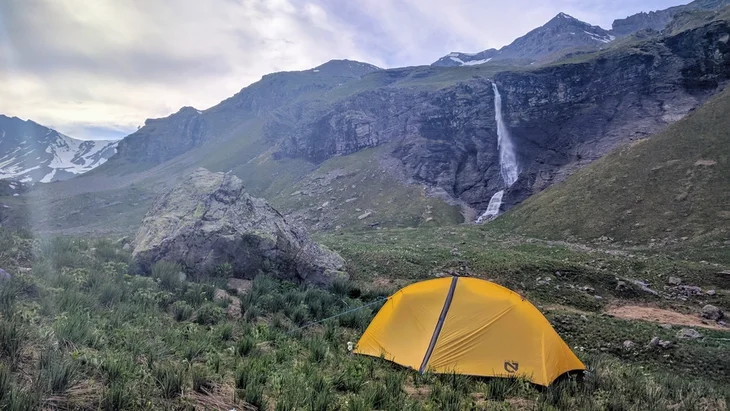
(346, 68)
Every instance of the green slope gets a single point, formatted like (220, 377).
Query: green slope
(674, 186)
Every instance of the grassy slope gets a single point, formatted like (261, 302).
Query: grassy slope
(669, 186)
(350, 186)
(80, 332)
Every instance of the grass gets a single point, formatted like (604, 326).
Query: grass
(155, 345)
(669, 190)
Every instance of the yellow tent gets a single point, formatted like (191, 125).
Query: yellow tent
(467, 326)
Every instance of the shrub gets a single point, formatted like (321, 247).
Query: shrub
(209, 314)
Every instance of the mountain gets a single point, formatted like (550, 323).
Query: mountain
(414, 146)
(30, 152)
(561, 33)
(658, 20)
(669, 188)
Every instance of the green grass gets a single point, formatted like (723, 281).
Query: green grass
(137, 352)
(344, 188)
(671, 187)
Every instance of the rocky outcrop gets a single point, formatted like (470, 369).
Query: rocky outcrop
(209, 220)
(658, 20)
(561, 117)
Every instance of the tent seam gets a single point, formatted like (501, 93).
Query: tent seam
(439, 325)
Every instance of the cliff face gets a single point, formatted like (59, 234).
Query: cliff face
(439, 123)
(561, 116)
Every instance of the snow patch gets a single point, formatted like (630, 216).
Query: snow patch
(456, 59)
(597, 37)
(49, 177)
(475, 62)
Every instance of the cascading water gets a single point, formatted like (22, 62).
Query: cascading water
(508, 167)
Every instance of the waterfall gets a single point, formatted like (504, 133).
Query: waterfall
(508, 167)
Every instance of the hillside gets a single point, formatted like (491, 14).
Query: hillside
(431, 132)
(668, 188)
(30, 152)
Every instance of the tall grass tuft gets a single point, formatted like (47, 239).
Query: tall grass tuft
(12, 336)
(58, 373)
(168, 274)
(170, 379)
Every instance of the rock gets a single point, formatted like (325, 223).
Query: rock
(209, 219)
(688, 333)
(127, 247)
(123, 240)
(25, 269)
(674, 281)
(712, 313)
(621, 286)
(588, 289)
(657, 342)
(4, 275)
(644, 287)
(364, 215)
(543, 281)
(711, 292)
(666, 326)
(628, 344)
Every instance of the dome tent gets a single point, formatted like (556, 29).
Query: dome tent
(467, 326)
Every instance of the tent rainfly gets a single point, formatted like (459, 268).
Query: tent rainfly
(467, 326)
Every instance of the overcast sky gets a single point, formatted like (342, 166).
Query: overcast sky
(99, 68)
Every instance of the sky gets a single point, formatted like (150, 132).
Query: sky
(97, 69)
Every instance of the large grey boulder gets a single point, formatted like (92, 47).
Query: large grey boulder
(209, 219)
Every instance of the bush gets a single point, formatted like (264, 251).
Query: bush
(209, 314)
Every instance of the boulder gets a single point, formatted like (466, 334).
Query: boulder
(674, 281)
(209, 219)
(688, 333)
(712, 313)
(4, 275)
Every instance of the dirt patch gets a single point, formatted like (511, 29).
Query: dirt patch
(416, 393)
(234, 308)
(240, 285)
(658, 315)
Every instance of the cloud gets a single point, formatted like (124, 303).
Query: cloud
(99, 68)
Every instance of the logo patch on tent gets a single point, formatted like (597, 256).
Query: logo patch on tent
(511, 366)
